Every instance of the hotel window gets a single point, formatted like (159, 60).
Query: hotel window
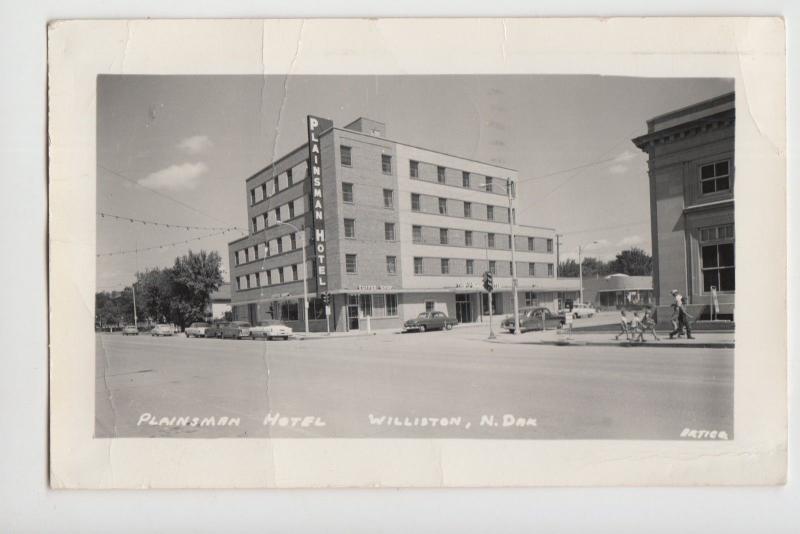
(291, 210)
(388, 231)
(470, 266)
(549, 245)
(270, 188)
(388, 198)
(715, 177)
(347, 192)
(413, 168)
(391, 264)
(386, 163)
(391, 305)
(281, 275)
(531, 269)
(429, 305)
(530, 299)
(293, 239)
(416, 234)
(440, 175)
(717, 254)
(445, 264)
(489, 184)
(442, 206)
(468, 238)
(289, 177)
(511, 268)
(465, 179)
(254, 220)
(493, 267)
(467, 209)
(350, 264)
(414, 201)
(350, 228)
(489, 213)
(277, 215)
(417, 265)
(442, 236)
(269, 278)
(263, 190)
(550, 270)
(290, 311)
(279, 241)
(294, 273)
(490, 238)
(347, 155)
(252, 196)
(530, 243)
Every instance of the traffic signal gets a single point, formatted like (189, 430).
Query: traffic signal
(488, 282)
(326, 298)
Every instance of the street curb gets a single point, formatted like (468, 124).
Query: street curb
(656, 345)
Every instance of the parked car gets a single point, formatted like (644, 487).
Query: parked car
(197, 330)
(580, 309)
(130, 330)
(434, 320)
(270, 330)
(162, 330)
(236, 330)
(533, 319)
(215, 329)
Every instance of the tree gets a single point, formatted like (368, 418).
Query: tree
(633, 262)
(194, 277)
(591, 267)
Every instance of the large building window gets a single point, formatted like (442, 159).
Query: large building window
(490, 239)
(445, 264)
(388, 198)
(391, 264)
(549, 245)
(347, 192)
(465, 179)
(493, 267)
(416, 234)
(470, 266)
(467, 209)
(388, 231)
(468, 238)
(440, 174)
(717, 256)
(418, 266)
(415, 202)
(347, 155)
(413, 169)
(290, 311)
(350, 263)
(489, 213)
(715, 177)
(386, 163)
(442, 206)
(295, 275)
(442, 236)
(488, 184)
(550, 270)
(531, 269)
(350, 228)
(391, 305)
(530, 299)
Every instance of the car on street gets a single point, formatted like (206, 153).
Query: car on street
(236, 330)
(579, 309)
(271, 329)
(130, 330)
(162, 330)
(533, 319)
(197, 330)
(433, 320)
(215, 329)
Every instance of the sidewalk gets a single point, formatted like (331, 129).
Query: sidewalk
(702, 340)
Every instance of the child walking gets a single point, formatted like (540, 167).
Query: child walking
(623, 326)
(648, 325)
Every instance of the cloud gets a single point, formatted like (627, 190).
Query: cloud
(630, 241)
(175, 177)
(626, 156)
(195, 144)
(620, 163)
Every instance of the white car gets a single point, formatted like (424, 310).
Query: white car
(197, 330)
(580, 309)
(162, 330)
(270, 330)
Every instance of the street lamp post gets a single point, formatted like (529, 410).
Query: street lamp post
(580, 268)
(305, 271)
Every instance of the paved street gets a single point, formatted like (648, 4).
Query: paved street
(438, 384)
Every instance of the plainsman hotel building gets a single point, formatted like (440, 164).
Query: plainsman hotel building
(407, 230)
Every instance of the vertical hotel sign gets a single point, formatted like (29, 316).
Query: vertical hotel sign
(316, 126)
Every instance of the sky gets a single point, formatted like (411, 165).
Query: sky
(177, 149)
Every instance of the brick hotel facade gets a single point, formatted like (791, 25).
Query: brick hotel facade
(407, 230)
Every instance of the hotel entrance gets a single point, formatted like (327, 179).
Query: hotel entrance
(352, 312)
(464, 313)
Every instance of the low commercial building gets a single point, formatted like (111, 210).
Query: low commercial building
(692, 175)
(618, 291)
(391, 229)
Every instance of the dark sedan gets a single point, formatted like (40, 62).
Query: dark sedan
(215, 330)
(434, 320)
(237, 330)
(533, 319)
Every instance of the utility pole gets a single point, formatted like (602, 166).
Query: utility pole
(135, 319)
(511, 220)
(558, 253)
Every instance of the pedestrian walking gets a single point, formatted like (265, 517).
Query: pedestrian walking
(623, 326)
(648, 325)
(635, 327)
(683, 317)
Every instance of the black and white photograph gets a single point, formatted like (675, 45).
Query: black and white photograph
(475, 256)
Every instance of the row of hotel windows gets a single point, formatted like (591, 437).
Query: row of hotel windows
(453, 266)
(377, 305)
(488, 183)
(276, 246)
(280, 275)
(284, 212)
(276, 185)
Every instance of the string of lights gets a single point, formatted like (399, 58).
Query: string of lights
(166, 225)
(165, 245)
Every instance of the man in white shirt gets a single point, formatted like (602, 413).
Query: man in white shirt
(683, 317)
